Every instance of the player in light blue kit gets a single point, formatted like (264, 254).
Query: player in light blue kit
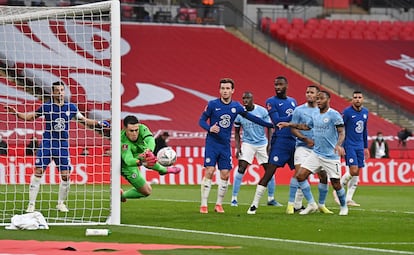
(254, 143)
(217, 119)
(55, 141)
(282, 148)
(355, 144)
(328, 136)
(304, 145)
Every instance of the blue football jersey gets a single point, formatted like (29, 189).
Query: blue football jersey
(281, 109)
(57, 120)
(222, 114)
(356, 134)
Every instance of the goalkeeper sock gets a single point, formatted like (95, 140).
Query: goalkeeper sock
(159, 168)
(63, 191)
(34, 188)
(132, 193)
(222, 190)
(352, 185)
(205, 191)
(258, 195)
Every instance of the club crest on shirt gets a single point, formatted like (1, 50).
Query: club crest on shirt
(325, 120)
(124, 147)
(67, 113)
(233, 110)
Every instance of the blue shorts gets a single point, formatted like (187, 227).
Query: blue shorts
(354, 157)
(53, 151)
(218, 154)
(282, 152)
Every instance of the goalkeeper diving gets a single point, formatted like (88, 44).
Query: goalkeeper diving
(137, 146)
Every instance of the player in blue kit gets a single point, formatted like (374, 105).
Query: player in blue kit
(252, 144)
(356, 144)
(55, 142)
(328, 136)
(304, 145)
(282, 145)
(217, 119)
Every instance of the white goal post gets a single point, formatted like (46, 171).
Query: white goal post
(80, 47)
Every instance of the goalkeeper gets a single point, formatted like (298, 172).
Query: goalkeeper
(137, 146)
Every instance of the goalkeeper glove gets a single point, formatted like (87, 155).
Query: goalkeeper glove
(149, 158)
(104, 123)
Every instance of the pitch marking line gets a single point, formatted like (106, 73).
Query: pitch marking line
(272, 239)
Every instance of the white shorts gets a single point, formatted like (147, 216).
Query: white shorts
(315, 164)
(249, 152)
(301, 153)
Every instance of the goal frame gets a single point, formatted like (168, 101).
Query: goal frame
(115, 29)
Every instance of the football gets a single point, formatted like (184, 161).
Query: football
(166, 156)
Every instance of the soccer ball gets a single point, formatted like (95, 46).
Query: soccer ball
(166, 156)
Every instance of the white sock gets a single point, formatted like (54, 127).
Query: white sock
(222, 190)
(270, 198)
(345, 179)
(233, 198)
(205, 191)
(352, 185)
(258, 195)
(63, 191)
(34, 188)
(298, 199)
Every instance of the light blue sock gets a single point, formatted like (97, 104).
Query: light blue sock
(305, 187)
(237, 182)
(293, 187)
(341, 196)
(271, 187)
(323, 191)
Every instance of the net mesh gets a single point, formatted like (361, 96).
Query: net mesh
(40, 46)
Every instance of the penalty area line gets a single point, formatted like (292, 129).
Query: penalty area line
(334, 245)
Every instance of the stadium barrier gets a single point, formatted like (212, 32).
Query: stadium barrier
(88, 170)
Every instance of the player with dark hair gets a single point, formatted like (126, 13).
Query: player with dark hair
(217, 119)
(55, 143)
(328, 136)
(356, 144)
(137, 146)
(304, 145)
(253, 144)
(282, 148)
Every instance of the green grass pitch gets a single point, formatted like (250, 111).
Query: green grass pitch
(384, 224)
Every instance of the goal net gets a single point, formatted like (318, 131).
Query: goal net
(79, 47)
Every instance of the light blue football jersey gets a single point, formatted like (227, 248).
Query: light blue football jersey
(253, 133)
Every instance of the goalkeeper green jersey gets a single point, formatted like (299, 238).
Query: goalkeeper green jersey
(131, 150)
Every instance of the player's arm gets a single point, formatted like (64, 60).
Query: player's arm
(237, 138)
(296, 132)
(22, 115)
(340, 129)
(128, 157)
(276, 118)
(256, 120)
(91, 122)
(300, 126)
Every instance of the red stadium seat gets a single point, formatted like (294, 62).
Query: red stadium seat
(265, 24)
(343, 34)
(369, 35)
(282, 21)
(331, 34)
